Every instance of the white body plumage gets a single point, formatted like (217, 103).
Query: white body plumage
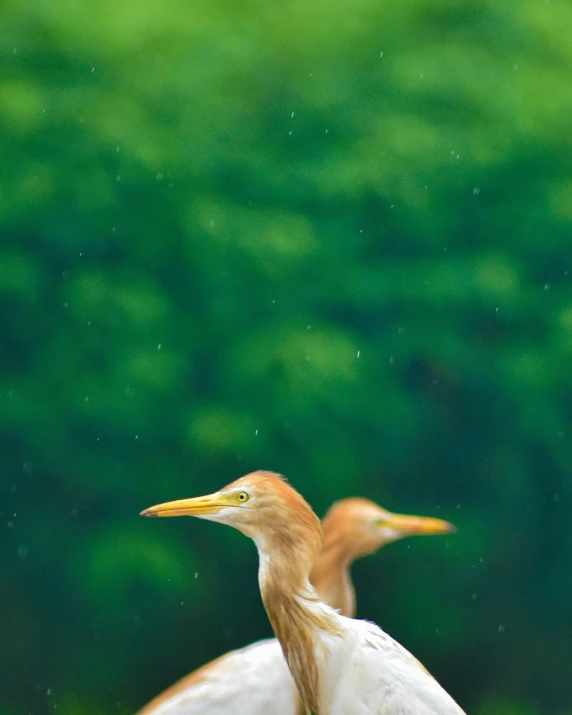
(253, 680)
(367, 674)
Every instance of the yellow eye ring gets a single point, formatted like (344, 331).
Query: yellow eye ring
(242, 497)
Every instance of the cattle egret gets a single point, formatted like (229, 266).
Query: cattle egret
(340, 666)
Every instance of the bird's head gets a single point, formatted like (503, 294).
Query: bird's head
(263, 506)
(364, 527)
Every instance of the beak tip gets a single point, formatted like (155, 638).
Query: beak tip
(146, 512)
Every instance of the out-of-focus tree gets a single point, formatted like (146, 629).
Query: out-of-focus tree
(330, 239)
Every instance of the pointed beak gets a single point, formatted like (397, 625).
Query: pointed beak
(405, 525)
(199, 506)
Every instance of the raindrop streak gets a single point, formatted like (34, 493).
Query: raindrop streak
(358, 353)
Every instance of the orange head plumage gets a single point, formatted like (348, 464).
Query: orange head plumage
(264, 507)
(354, 528)
(362, 527)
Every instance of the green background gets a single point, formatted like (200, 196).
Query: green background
(332, 239)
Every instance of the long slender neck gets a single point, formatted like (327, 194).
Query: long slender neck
(331, 578)
(299, 619)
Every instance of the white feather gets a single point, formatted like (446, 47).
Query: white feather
(368, 673)
(365, 673)
(253, 680)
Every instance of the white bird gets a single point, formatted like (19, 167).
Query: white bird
(257, 676)
(340, 665)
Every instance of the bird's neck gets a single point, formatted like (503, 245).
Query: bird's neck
(331, 579)
(301, 622)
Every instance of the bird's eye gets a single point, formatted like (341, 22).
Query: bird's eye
(242, 497)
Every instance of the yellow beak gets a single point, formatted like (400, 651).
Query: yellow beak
(198, 506)
(412, 525)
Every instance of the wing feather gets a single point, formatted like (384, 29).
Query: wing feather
(253, 680)
(374, 675)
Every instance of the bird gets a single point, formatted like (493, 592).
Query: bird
(340, 666)
(352, 528)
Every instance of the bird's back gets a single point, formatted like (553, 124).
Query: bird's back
(253, 680)
(371, 674)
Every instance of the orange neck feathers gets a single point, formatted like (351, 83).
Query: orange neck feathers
(288, 548)
(331, 579)
(343, 544)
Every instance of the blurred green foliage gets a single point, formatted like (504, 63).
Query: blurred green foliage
(329, 239)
